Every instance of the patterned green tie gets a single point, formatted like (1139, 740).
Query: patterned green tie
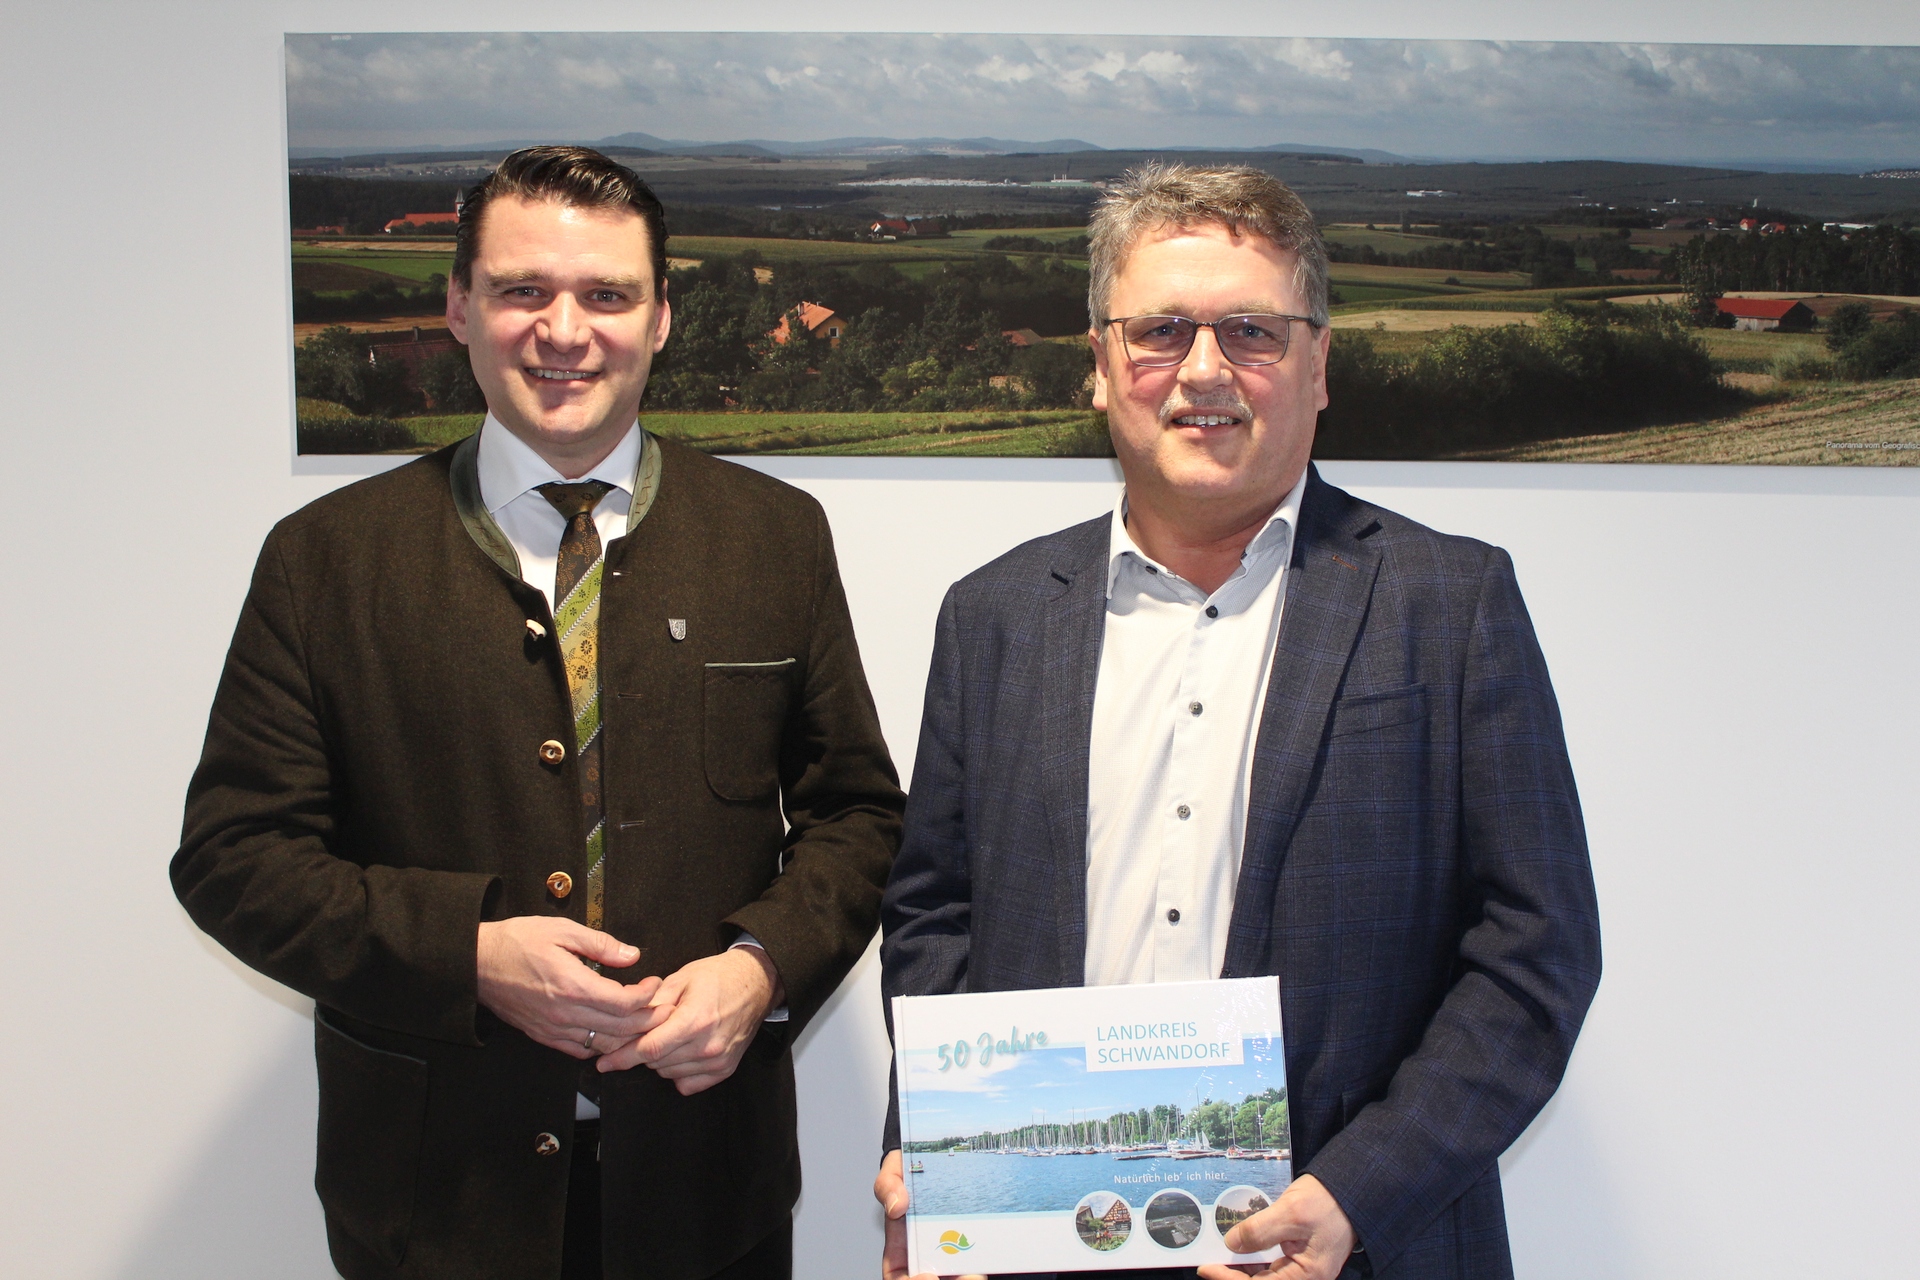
(576, 618)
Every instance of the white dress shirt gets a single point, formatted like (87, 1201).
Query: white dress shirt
(1176, 708)
(510, 472)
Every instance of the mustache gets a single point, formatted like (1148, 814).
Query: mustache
(1230, 404)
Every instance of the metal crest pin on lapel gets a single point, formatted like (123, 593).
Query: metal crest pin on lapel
(677, 628)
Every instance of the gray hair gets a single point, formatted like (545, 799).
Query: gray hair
(1246, 199)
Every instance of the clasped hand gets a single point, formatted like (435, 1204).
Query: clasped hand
(691, 1026)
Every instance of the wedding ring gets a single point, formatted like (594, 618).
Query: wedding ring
(589, 1041)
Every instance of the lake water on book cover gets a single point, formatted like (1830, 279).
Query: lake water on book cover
(988, 1182)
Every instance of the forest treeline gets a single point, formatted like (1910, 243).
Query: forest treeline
(364, 206)
(931, 344)
(1550, 263)
(1479, 388)
(1800, 259)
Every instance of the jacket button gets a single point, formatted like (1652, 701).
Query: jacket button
(552, 751)
(559, 884)
(545, 1145)
(535, 631)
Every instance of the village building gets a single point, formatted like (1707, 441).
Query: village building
(821, 322)
(422, 220)
(1763, 315)
(414, 348)
(1022, 337)
(902, 228)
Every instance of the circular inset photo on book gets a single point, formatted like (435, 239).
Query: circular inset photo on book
(1173, 1219)
(1103, 1221)
(1237, 1204)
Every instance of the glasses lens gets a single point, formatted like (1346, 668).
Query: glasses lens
(1253, 339)
(1158, 339)
(1165, 340)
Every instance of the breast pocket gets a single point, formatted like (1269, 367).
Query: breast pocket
(746, 710)
(1368, 712)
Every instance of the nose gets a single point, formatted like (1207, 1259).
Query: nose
(563, 325)
(1205, 366)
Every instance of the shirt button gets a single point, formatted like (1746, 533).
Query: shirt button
(1195, 708)
(545, 1145)
(1173, 915)
(559, 884)
(552, 751)
(1184, 813)
(1213, 611)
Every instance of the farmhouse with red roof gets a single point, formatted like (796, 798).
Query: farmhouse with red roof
(422, 220)
(1763, 314)
(821, 322)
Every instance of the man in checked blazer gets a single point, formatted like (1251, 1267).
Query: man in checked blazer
(1247, 725)
(395, 812)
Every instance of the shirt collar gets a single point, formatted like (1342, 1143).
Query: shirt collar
(1274, 535)
(509, 467)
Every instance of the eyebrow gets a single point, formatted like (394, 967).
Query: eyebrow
(528, 275)
(1242, 309)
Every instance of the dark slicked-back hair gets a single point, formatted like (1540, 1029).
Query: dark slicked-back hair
(577, 176)
(1248, 200)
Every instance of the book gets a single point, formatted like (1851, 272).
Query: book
(1090, 1128)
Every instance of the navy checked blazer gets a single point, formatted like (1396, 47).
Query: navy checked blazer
(1415, 869)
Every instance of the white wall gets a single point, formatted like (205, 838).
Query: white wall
(1734, 649)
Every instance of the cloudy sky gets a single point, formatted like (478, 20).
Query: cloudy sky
(1461, 99)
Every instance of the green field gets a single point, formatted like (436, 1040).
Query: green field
(402, 265)
(1873, 424)
(1739, 351)
(328, 270)
(1380, 240)
(975, 433)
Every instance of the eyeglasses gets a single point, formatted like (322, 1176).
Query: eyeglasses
(1156, 342)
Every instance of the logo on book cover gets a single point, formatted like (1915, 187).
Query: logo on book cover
(952, 1242)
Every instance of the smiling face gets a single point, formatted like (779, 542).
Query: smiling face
(562, 324)
(1206, 445)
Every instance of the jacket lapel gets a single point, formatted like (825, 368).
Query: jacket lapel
(1074, 624)
(1329, 586)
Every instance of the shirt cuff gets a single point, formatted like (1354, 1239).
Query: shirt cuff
(748, 940)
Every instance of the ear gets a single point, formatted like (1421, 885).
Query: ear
(457, 300)
(1099, 369)
(663, 324)
(1322, 344)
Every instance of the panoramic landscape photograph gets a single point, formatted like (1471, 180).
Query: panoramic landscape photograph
(1571, 252)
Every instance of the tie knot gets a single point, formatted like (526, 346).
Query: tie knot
(577, 498)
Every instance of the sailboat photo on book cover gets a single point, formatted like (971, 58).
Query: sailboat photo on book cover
(1090, 1128)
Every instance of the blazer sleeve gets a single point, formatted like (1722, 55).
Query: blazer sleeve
(1528, 960)
(843, 805)
(926, 916)
(258, 867)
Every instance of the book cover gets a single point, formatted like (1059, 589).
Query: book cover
(1090, 1128)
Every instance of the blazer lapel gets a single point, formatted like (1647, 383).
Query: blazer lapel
(1329, 586)
(1074, 624)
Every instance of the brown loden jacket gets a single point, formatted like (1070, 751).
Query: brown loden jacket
(372, 788)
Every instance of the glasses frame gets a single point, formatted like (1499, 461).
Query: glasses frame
(1286, 340)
